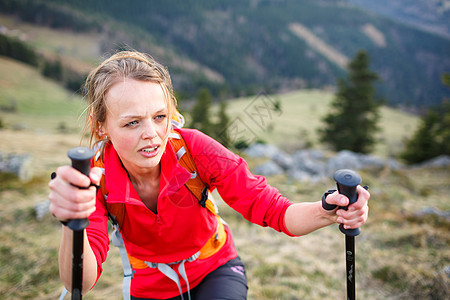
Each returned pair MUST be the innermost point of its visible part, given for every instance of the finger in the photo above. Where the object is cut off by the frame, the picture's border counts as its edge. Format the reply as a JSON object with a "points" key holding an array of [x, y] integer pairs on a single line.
{"points": [[337, 199], [62, 194], [95, 175], [63, 213], [74, 201], [353, 219], [73, 176], [363, 198]]}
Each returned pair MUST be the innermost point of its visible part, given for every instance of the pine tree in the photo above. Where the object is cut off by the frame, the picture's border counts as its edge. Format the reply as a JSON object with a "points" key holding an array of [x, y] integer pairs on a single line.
{"points": [[221, 127], [432, 137], [201, 112], [352, 121]]}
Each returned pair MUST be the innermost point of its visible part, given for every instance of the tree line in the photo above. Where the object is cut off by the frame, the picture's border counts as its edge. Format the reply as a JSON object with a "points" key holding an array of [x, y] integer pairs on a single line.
{"points": [[51, 68]]}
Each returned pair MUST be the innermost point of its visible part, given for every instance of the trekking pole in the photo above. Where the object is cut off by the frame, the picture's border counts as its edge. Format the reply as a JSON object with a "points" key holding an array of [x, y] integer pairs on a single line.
{"points": [[347, 181], [81, 160]]}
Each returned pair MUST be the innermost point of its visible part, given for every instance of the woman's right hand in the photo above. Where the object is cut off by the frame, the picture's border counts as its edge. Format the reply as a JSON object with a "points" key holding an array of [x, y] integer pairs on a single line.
{"points": [[67, 200]]}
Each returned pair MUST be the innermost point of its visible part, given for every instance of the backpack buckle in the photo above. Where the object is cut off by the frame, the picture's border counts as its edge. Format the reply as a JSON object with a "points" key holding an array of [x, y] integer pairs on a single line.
{"points": [[204, 197]]}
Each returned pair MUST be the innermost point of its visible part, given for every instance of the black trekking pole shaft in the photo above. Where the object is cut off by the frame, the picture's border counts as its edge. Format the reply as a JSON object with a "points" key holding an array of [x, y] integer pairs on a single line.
{"points": [[347, 181], [350, 266], [81, 160]]}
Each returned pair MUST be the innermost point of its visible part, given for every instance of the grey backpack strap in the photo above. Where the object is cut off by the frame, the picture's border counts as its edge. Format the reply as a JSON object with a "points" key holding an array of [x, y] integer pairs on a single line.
{"points": [[117, 241], [63, 294]]}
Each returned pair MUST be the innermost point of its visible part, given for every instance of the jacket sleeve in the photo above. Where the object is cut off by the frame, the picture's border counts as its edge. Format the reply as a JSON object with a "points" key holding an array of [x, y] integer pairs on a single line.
{"points": [[248, 194], [97, 233]]}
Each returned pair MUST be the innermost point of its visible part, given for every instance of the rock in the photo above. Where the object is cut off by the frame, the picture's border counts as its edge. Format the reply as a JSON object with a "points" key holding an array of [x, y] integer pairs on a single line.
{"points": [[42, 209], [261, 150], [312, 165], [371, 162], [447, 271], [283, 159], [394, 164], [299, 175], [433, 211], [437, 162], [268, 169], [19, 165], [343, 160], [309, 161]]}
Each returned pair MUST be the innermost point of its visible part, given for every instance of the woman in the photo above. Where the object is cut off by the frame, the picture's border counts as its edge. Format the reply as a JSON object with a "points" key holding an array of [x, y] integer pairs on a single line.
{"points": [[131, 103]]}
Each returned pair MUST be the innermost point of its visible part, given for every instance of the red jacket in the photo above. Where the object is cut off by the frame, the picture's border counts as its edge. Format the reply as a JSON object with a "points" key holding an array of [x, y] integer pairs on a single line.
{"points": [[181, 227]]}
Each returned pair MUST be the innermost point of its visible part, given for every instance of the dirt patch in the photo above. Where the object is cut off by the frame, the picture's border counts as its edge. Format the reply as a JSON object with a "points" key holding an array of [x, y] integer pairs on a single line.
{"points": [[375, 35], [315, 42]]}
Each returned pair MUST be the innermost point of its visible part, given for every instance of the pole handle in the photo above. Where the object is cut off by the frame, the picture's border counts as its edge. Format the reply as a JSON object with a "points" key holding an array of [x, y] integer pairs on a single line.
{"points": [[81, 160], [347, 180]]}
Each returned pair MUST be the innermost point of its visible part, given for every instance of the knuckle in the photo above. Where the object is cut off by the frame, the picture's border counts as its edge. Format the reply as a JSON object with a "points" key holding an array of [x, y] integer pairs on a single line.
{"points": [[76, 197]]}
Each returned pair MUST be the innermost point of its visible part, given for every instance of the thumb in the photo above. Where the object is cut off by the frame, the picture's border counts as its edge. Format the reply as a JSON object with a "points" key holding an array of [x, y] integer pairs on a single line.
{"points": [[95, 175], [337, 199]]}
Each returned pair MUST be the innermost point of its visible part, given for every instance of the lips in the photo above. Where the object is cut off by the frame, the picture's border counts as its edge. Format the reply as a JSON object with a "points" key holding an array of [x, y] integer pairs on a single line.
{"points": [[149, 151]]}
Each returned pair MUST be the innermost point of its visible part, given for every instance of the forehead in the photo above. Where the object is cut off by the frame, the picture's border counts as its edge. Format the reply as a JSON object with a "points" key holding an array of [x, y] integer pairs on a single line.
{"points": [[135, 95]]}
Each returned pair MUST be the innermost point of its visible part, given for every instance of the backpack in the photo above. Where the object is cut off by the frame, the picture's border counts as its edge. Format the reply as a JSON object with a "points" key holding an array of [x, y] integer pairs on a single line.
{"points": [[197, 187]]}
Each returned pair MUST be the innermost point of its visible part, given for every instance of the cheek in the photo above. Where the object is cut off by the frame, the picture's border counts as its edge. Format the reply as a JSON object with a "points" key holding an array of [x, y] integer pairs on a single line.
{"points": [[124, 141], [162, 130]]}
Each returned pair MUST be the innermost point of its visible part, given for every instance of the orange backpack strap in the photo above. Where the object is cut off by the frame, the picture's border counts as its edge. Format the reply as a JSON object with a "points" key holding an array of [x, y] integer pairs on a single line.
{"points": [[195, 184], [116, 211]]}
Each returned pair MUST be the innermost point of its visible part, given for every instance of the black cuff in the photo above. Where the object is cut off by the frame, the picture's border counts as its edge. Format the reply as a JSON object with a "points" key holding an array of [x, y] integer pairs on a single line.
{"points": [[325, 205]]}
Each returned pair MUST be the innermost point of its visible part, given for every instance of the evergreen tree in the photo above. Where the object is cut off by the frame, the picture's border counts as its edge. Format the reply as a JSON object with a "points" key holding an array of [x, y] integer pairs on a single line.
{"points": [[53, 69], [352, 121], [221, 127], [201, 112], [432, 138]]}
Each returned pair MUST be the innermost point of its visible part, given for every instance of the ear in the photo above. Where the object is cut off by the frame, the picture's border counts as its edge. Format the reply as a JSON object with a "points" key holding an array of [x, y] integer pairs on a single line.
{"points": [[101, 132]]}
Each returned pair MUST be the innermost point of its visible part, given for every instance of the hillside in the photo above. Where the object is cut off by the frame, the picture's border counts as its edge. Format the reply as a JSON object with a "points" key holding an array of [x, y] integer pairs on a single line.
{"points": [[295, 125], [428, 15], [241, 47]]}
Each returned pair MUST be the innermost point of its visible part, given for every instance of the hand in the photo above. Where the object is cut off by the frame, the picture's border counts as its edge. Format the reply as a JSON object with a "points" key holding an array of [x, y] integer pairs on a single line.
{"points": [[357, 213], [67, 200]]}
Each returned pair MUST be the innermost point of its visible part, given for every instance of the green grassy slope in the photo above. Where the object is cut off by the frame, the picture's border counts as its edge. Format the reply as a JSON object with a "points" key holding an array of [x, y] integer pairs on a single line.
{"points": [[301, 115], [37, 103]]}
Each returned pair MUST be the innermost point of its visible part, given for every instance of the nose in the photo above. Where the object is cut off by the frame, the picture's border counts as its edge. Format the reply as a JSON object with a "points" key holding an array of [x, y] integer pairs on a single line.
{"points": [[149, 131]]}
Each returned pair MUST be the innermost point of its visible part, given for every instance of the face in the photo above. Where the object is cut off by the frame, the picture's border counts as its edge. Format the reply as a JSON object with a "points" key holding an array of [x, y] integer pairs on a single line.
{"points": [[136, 124]]}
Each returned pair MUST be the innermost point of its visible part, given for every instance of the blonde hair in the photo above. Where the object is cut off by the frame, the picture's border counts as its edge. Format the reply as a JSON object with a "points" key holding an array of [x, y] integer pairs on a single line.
{"points": [[124, 64]]}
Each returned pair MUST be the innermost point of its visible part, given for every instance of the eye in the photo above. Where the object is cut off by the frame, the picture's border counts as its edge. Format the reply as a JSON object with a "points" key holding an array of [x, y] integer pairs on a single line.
{"points": [[132, 123], [160, 117]]}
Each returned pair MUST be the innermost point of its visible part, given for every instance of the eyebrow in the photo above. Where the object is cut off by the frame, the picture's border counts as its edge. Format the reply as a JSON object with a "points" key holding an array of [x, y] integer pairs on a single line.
{"points": [[163, 110]]}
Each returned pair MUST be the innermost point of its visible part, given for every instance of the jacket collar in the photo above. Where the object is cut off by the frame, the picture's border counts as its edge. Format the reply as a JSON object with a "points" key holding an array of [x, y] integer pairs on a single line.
{"points": [[173, 176]]}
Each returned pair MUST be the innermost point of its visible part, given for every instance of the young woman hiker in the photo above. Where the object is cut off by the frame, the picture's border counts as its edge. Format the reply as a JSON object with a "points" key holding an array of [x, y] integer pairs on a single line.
{"points": [[177, 248]]}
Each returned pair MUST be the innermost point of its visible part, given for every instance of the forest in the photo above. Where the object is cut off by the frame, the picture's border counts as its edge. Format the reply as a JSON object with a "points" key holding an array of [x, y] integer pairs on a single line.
{"points": [[249, 46]]}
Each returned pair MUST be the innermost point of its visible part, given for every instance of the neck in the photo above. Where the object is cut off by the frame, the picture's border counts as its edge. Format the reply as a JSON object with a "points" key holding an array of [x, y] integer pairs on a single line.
{"points": [[145, 177]]}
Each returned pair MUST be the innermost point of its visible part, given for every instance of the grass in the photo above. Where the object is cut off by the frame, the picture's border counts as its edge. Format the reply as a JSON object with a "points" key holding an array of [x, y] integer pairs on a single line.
{"points": [[39, 103], [296, 125]]}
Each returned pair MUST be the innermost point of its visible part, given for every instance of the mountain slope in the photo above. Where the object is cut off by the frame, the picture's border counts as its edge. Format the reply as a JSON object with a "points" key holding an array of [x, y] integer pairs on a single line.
{"points": [[250, 45], [429, 15]]}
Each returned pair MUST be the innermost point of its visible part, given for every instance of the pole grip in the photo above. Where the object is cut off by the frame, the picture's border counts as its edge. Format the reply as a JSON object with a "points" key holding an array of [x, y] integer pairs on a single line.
{"points": [[81, 160], [347, 181]]}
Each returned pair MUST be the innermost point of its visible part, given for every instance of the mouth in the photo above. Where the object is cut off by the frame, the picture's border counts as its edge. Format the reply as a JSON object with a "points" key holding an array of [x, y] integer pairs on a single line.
{"points": [[149, 149]]}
